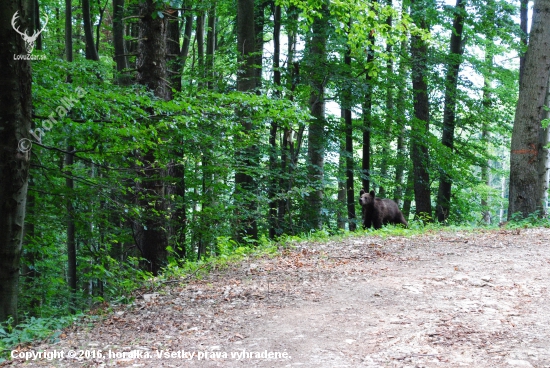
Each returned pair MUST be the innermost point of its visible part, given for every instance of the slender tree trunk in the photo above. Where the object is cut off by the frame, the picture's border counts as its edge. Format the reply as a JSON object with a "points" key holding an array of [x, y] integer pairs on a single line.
{"points": [[420, 124], [409, 194], [91, 51], [449, 113], [390, 116], [259, 23], [485, 134], [173, 50], [71, 231], [341, 214], [316, 135], [118, 42], [186, 39], [98, 27], [286, 156], [15, 124], [71, 242], [247, 156], [367, 119], [347, 102], [487, 107], [274, 226], [524, 24], [528, 134], [210, 46], [401, 121], [544, 161], [68, 31], [37, 24]]}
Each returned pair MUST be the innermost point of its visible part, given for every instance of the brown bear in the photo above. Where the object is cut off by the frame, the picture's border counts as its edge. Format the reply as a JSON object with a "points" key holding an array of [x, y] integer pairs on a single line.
{"points": [[378, 212]]}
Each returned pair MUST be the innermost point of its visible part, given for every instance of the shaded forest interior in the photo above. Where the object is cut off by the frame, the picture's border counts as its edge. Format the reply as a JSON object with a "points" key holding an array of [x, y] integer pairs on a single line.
{"points": [[150, 133]]}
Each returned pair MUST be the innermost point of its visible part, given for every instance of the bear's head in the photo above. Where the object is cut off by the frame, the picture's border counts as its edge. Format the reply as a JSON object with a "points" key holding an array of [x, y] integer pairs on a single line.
{"points": [[365, 198]]}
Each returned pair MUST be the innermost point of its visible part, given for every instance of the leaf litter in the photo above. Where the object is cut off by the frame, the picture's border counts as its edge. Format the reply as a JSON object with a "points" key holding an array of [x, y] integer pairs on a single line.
{"points": [[446, 299]]}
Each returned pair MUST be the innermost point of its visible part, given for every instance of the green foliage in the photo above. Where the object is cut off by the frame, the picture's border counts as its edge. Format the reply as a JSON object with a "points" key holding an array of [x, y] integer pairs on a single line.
{"points": [[534, 219], [30, 330]]}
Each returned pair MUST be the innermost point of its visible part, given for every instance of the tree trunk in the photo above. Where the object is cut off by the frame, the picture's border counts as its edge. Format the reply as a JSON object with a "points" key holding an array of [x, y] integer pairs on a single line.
{"points": [[389, 113], [210, 46], [524, 24], [274, 226], [259, 23], [199, 33], [71, 231], [173, 50], [15, 124], [151, 237], [409, 194], [487, 107], [285, 182], [420, 124], [485, 172], [341, 214], [37, 24], [527, 136], [186, 39], [118, 42], [247, 156], [68, 31], [449, 118], [151, 61], [316, 135], [367, 119], [544, 162], [91, 51], [401, 138], [347, 102]]}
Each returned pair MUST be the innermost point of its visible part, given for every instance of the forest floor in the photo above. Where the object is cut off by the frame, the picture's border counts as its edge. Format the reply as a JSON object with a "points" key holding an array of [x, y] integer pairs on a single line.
{"points": [[445, 299]]}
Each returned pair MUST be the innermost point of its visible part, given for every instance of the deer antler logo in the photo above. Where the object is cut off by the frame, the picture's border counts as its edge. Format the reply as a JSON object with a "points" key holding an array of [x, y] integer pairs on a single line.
{"points": [[29, 40]]}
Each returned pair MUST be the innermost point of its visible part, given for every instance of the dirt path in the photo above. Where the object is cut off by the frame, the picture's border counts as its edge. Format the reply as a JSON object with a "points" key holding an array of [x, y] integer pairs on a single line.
{"points": [[440, 300]]}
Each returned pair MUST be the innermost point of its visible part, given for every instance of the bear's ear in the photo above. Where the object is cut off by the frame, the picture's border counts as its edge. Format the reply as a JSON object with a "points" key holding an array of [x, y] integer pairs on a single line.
{"points": [[361, 192], [372, 193]]}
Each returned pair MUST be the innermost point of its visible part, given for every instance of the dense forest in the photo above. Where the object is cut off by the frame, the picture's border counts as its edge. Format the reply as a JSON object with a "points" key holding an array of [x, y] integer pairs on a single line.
{"points": [[137, 134]]}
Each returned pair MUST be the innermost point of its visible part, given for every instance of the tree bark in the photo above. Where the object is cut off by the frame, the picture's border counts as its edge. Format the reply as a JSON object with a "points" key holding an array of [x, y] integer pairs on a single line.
{"points": [[347, 102], [485, 134], [259, 23], [341, 214], [544, 162], [210, 47], [151, 237], [118, 42], [186, 39], [527, 136], [316, 135], [389, 113], [367, 119], [71, 231], [173, 50], [91, 51], [487, 107], [401, 138], [524, 24], [247, 156], [15, 124], [274, 226], [199, 33], [449, 118], [420, 124], [151, 61]]}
